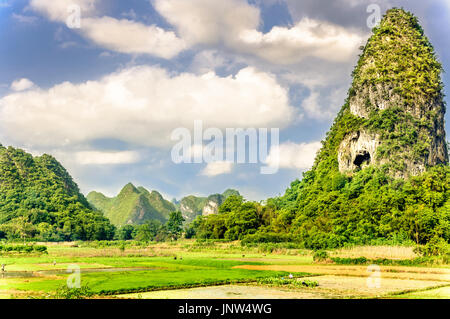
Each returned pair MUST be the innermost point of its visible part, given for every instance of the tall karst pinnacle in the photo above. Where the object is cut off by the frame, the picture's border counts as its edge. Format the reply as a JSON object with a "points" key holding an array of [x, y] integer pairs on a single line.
{"points": [[397, 99]]}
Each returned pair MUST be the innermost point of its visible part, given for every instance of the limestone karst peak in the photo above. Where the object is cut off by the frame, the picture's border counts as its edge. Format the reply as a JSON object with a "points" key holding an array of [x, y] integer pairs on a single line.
{"points": [[397, 102]]}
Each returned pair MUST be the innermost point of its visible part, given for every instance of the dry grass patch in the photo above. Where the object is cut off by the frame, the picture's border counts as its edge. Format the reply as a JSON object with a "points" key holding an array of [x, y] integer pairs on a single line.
{"points": [[375, 252], [229, 292], [395, 272], [354, 287]]}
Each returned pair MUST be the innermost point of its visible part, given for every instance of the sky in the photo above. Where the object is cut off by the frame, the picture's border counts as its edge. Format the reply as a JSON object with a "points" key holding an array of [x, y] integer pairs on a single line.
{"points": [[102, 85]]}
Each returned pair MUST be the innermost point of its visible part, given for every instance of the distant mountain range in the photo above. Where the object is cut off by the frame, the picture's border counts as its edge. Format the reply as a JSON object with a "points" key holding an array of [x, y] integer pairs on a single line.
{"points": [[136, 205]]}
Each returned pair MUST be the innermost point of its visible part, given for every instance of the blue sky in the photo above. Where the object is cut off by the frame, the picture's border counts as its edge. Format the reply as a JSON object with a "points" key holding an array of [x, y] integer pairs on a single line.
{"points": [[105, 97]]}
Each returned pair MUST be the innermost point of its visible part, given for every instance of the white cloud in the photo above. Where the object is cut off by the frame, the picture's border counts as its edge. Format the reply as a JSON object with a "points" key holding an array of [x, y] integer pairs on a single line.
{"points": [[323, 103], [143, 105], [217, 168], [125, 36], [208, 60], [293, 156], [59, 11], [21, 85], [235, 24], [106, 158], [209, 21], [308, 38]]}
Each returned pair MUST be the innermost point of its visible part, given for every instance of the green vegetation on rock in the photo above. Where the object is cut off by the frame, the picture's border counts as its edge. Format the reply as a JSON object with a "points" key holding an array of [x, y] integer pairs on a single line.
{"points": [[401, 193], [39, 199], [132, 205], [193, 206]]}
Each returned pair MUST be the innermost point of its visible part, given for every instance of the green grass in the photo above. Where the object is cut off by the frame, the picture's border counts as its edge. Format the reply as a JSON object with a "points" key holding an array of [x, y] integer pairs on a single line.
{"points": [[205, 266], [163, 273], [287, 282], [125, 282]]}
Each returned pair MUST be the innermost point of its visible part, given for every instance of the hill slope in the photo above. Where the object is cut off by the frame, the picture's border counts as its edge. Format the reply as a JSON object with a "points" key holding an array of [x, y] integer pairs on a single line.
{"points": [[396, 101], [382, 173], [38, 198], [132, 206]]}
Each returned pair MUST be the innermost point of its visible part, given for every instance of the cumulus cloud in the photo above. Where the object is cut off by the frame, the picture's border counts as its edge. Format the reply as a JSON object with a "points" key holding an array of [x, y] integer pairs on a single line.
{"points": [[217, 168], [308, 38], [143, 105], [21, 85], [125, 36], [106, 158], [59, 11], [235, 24], [209, 21], [323, 104], [131, 37], [293, 156]]}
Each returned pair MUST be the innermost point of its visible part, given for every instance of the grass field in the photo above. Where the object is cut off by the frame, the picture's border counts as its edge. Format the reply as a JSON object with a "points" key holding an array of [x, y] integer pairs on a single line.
{"points": [[187, 269]]}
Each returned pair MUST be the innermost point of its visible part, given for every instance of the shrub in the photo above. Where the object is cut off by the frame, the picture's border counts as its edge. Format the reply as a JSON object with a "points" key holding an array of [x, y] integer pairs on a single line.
{"points": [[320, 255], [277, 281], [269, 237], [437, 246], [350, 261], [65, 292], [23, 248]]}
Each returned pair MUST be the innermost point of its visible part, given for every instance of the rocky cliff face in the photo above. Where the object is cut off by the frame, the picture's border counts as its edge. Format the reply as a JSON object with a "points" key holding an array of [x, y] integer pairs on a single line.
{"points": [[357, 150], [397, 97], [193, 206]]}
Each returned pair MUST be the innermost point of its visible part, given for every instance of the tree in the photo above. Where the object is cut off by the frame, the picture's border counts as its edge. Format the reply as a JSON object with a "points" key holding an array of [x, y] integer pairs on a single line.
{"points": [[126, 232], [192, 229], [144, 233], [175, 224]]}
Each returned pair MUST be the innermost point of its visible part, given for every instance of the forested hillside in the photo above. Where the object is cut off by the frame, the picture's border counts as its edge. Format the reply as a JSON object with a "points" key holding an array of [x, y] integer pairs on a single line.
{"points": [[382, 172], [132, 206], [39, 199]]}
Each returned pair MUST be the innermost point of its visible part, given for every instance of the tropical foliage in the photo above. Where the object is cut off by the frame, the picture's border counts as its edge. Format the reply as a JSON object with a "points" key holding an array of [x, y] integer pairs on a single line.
{"points": [[39, 199]]}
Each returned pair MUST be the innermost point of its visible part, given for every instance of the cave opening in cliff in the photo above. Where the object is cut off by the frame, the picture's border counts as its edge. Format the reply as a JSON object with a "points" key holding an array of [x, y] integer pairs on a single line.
{"points": [[362, 157]]}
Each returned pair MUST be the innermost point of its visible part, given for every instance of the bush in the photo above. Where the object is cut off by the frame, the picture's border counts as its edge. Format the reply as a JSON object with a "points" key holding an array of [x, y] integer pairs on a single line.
{"points": [[23, 248], [269, 237], [350, 261], [320, 255], [65, 292], [276, 281], [435, 247], [40, 249]]}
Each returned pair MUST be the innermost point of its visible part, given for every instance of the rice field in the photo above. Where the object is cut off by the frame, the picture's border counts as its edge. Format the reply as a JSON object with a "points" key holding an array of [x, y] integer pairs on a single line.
{"points": [[187, 269]]}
